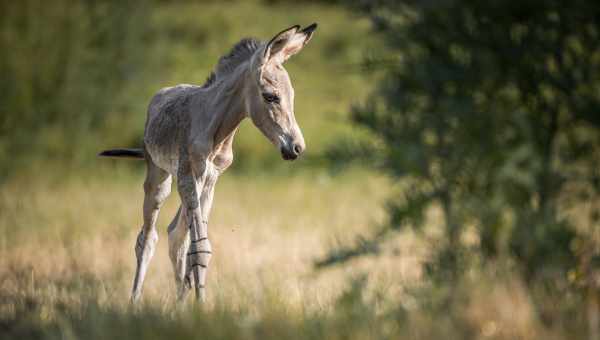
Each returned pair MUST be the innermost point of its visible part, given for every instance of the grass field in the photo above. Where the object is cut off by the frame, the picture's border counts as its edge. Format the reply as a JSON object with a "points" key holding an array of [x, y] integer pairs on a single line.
{"points": [[67, 262], [72, 243], [267, 233], [68, 220]]}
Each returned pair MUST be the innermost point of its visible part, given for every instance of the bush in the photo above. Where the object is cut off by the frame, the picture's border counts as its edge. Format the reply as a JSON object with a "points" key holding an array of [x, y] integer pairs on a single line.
{"points": [[488, 111]]}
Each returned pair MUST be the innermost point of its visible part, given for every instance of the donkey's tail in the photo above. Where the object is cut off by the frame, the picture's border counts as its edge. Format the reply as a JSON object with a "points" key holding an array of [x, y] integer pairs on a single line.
{"points": [[127, 153]]}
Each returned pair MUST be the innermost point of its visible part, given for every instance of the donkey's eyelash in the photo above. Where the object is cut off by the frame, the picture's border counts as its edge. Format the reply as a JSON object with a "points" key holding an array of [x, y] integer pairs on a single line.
{"points": [[271, 98]]}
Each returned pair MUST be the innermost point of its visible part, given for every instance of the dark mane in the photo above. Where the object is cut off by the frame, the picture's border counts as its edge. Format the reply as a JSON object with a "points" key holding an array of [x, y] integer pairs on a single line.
{"points": [[241, 51]]}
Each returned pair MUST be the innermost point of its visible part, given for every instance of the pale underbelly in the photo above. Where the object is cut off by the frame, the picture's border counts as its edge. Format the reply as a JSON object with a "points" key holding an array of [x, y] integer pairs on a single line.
{"points": [[170, 162]]}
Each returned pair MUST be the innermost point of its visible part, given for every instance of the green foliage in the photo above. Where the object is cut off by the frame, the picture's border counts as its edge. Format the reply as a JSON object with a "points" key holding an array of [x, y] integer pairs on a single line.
{"points": [[489, 111], [63, 70]]}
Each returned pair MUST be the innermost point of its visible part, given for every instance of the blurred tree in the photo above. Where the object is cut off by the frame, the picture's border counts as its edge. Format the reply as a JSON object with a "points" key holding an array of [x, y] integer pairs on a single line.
{"points": [[63, 68], [489, 110]]}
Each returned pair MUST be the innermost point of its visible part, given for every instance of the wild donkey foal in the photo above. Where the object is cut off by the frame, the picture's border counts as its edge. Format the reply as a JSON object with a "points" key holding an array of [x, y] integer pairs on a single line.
{"points": [[189, 134]]}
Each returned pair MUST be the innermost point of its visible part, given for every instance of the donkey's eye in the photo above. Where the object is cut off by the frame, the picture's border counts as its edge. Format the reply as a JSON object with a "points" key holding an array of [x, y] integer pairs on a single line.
{"points": [[271, 98]]}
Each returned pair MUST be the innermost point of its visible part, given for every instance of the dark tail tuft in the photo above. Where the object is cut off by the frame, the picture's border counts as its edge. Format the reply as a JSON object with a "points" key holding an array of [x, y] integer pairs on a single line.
{"points": [[128, 153]]}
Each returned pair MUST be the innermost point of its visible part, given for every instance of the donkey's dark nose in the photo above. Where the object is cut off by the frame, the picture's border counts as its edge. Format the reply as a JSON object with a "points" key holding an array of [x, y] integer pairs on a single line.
{"points": [[291, 152]]}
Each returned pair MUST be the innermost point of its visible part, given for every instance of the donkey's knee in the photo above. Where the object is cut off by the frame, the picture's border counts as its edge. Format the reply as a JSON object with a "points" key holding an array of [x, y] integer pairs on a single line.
{"points": [[145, 243]]}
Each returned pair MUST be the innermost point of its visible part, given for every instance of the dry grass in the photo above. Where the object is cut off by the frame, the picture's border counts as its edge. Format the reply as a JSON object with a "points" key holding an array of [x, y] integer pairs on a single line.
{"points": [[60, 241], [66, 266]]}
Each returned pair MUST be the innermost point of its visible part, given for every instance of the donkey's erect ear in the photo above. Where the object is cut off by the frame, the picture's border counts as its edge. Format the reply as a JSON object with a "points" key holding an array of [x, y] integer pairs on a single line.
{"points": [[308, 32], [288, 42]]}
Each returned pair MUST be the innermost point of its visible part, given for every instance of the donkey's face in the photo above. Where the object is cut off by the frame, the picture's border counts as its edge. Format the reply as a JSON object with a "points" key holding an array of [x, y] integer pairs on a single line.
{"points": [[271, 101]]}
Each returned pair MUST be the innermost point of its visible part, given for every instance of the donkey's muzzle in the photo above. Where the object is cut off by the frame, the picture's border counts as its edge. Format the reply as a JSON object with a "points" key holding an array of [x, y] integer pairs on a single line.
{"points": [[291, 151]]}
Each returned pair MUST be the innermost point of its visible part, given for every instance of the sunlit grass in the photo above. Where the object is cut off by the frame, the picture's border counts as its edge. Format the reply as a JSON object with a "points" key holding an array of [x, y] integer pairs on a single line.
{"points": [[266, 233], [67, 263]]}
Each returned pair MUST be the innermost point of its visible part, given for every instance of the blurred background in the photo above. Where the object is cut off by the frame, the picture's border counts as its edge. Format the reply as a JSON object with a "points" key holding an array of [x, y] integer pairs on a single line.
{"points": [[450, 186]]}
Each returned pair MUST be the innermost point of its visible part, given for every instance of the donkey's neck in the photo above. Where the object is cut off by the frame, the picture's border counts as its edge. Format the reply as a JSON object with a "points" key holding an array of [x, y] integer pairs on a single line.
{"points": [[228, 97]]}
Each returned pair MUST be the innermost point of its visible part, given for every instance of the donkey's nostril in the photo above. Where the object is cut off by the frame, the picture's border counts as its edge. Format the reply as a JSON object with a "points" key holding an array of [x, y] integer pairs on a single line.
{"points": [[297, 149], [291, 151]]}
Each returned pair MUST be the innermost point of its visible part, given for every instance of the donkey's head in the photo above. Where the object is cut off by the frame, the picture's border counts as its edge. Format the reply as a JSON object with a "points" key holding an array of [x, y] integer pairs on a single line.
{"points": [[271, 101]]}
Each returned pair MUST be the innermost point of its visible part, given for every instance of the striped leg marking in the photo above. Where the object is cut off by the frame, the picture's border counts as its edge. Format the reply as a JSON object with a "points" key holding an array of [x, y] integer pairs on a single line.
{"points": [[198, 257]]}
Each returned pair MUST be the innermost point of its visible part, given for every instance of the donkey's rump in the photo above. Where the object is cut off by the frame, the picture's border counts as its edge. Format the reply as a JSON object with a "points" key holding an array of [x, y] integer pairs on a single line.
{"points": [[167, 124]]}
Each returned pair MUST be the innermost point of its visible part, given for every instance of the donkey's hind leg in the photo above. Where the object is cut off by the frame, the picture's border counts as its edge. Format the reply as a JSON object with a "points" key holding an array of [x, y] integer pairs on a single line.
{"points": [[179, 242], [157, 188]]}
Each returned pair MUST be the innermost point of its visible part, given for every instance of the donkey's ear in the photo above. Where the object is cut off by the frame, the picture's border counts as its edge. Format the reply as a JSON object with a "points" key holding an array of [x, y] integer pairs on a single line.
{"points": [[288, 42]]}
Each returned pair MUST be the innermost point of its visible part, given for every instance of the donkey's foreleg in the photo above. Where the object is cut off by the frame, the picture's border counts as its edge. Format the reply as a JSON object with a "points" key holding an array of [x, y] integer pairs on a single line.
{"points": [[156, 189], [199, 253]]}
